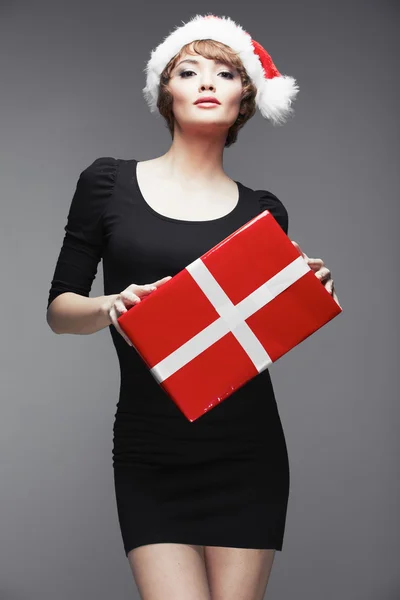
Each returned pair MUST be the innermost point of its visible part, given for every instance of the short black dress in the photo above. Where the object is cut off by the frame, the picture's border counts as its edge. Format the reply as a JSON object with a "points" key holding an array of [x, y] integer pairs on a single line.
{"points": [[222, 480]]}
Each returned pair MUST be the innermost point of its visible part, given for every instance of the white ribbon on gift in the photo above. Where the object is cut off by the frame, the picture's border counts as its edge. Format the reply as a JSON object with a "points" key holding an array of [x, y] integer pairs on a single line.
{"points": [[232, 317]]}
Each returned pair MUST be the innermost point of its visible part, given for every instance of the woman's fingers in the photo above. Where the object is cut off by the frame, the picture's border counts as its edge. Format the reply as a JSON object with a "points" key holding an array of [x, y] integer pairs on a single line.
{"points": [[163, 280], [114, 319], [128, 298], [315, 263], [323, 274]]}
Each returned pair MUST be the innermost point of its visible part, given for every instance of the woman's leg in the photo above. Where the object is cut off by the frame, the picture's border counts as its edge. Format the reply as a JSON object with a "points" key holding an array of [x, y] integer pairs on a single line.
{"points": [[239, 573], [175, 571]]}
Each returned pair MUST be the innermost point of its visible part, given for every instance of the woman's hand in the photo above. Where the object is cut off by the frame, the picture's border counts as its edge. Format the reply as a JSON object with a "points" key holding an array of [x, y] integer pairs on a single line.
{"points": [[121, 303], [321, 272]]}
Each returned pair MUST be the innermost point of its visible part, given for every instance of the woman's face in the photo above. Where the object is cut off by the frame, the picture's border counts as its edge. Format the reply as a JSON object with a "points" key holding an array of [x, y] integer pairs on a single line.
{"points": [[194, 77]]}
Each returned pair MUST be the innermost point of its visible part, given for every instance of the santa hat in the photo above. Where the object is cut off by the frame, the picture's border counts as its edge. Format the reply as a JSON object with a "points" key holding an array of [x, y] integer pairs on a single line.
{"points": [[275, 92]]}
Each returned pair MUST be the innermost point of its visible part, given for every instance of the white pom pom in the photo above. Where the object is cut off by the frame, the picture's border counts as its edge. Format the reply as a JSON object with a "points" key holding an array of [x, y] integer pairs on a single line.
{"points": [[275, 96]]}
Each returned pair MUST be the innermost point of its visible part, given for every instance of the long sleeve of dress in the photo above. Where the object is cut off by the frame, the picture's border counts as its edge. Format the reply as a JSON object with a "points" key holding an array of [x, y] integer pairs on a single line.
{"points": [[82, 246], [268, 201]]}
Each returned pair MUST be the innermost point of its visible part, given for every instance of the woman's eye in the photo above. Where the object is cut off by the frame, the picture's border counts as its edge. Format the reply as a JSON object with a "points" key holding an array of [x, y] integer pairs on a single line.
{"points": [[183, 73], [228, 73]]}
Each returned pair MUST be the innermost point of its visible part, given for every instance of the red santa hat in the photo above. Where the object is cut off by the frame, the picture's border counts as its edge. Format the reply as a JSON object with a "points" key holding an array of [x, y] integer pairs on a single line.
{"points": [[275, 92]]}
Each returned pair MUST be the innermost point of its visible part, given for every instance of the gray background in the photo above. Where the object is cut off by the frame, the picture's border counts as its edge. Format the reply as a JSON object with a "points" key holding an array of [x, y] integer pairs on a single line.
{"points": [[71, 81]]}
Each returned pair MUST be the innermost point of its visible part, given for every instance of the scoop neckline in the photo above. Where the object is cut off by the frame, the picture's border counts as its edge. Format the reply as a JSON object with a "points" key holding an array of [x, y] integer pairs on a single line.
{"points": [[173, 220]]}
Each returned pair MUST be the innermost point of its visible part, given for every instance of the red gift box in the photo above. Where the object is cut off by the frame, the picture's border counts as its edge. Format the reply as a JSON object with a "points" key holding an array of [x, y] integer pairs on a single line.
{"points": [[228, 315]]}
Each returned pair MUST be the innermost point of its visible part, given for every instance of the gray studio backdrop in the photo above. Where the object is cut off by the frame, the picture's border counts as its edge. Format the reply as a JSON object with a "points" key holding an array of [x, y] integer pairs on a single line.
{"points": [[71, 81]]}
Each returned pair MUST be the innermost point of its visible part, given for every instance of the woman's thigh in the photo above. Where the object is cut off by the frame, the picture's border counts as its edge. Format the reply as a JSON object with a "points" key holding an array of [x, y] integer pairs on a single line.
{"points": [[239, 573], [169, 571]]}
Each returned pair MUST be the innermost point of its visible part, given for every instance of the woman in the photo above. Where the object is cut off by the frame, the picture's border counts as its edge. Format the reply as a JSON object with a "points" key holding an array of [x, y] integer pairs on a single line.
{"points": [[202, 505]]}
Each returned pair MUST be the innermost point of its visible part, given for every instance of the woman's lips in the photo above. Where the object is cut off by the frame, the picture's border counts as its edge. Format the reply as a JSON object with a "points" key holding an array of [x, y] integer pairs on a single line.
{"points": [[207, 104]]}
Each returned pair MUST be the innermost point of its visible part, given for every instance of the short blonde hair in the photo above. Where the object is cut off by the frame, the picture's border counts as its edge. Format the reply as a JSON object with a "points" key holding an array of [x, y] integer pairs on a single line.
{"points": [[218, 51]]}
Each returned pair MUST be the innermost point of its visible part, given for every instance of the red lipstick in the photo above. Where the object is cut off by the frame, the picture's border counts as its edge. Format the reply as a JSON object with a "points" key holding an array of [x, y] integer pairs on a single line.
{"points": [[208, 99]]}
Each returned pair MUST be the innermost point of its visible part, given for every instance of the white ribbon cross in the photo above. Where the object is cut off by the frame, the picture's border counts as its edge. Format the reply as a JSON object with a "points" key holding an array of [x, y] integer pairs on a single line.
{"points": [[232, 317]]}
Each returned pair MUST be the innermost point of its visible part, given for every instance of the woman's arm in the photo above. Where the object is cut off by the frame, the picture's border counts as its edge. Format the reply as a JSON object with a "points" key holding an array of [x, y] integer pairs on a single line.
{"points": [[73, 313], [69, 308]]}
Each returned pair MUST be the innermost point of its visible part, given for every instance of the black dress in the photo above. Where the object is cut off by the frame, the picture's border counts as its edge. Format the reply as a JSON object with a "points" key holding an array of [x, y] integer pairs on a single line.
{"points": [[222, 480]]}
